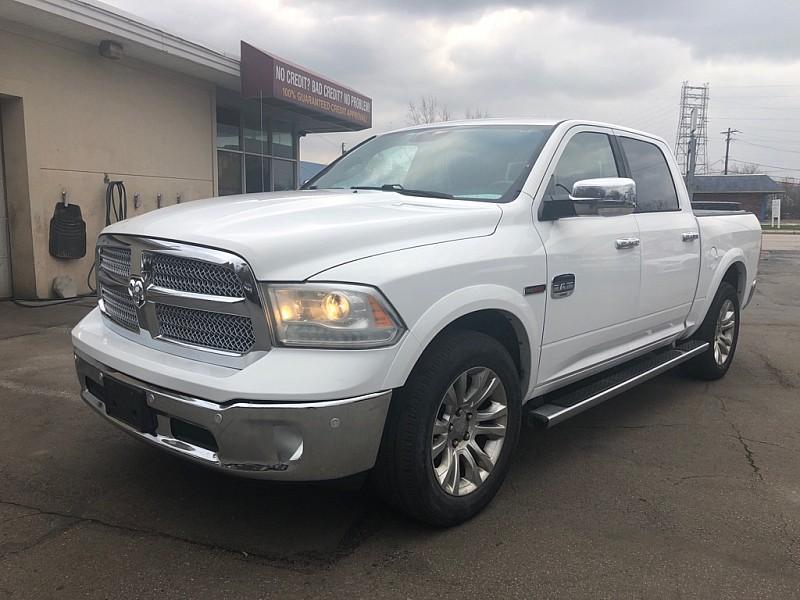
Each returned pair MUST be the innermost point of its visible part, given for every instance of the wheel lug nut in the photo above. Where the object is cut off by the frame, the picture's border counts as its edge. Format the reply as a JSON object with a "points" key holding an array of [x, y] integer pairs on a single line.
{"points": [[458, 412], [469, 416], [450, 427], [455, 443], [466, 436]]}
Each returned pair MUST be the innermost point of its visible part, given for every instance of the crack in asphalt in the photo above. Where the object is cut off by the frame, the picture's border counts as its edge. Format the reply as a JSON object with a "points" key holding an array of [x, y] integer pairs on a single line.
{"points": [[782, 379], [748, 453], [791, 540], [363, 526], [12, 549], [766, 443]]}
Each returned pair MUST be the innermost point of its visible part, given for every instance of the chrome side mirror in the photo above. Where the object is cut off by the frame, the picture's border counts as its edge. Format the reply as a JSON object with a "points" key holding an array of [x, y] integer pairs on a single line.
{"points": [[607, 196]]}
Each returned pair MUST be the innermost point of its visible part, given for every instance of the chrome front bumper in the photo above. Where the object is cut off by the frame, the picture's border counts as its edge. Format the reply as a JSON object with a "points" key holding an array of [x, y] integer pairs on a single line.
{"points": [[282, 441]]}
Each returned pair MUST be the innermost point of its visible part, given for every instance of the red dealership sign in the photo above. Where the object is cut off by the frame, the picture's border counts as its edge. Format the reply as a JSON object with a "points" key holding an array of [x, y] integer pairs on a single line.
{"points": [[274, 79]]}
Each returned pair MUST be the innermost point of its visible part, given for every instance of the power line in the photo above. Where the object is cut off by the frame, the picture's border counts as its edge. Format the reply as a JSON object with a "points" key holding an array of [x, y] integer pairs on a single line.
{"points": [[770, 147], [760, 118], [759, 85], [745, 162]]}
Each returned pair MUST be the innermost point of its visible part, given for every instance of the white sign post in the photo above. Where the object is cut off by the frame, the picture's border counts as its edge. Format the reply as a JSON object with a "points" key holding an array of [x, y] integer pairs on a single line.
{"points": [[776, 212]]}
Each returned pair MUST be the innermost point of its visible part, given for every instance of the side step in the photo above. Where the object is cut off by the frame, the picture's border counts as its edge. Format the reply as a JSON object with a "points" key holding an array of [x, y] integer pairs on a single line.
{"points": [[583, 395]]}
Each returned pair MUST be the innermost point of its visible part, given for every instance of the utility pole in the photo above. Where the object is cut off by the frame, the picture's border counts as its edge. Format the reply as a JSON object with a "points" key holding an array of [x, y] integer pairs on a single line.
{"points": [[691, 152], [728, 135], [344, 149]]}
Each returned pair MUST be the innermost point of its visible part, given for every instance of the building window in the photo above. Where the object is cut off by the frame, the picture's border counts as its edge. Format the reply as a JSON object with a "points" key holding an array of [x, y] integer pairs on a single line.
{"points": [[282, 140], [228, 129], [256, 173], [247, 142], [229, 172], [285, 178]]}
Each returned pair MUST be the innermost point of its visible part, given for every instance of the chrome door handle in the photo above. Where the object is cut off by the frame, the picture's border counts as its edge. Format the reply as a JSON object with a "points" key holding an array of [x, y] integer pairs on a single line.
{"points": [[627, 243], [690, 236]]}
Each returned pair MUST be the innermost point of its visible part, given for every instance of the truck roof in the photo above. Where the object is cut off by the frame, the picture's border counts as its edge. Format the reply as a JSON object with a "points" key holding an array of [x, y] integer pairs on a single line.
{"points": [[566, 123]]}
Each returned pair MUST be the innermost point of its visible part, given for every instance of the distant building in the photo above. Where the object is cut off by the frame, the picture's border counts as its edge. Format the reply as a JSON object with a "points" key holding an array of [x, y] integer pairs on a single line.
{"points": [[751, 192]]}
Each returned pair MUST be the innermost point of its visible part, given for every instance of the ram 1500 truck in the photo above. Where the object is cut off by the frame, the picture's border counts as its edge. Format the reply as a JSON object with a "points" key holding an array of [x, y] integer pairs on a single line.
{"points": [[404, 311]]}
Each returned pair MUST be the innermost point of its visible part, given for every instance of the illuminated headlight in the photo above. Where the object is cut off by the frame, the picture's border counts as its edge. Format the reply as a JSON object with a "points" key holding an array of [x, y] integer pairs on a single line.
{"points": [[332, 316]]}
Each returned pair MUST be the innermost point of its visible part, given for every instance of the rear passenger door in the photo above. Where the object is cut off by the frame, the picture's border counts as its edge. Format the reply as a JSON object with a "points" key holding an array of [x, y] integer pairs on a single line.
{"points": [[670, 244]]}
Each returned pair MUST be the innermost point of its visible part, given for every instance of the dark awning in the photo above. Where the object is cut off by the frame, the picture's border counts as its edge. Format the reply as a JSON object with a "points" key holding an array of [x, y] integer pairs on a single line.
{"points": [[327, 105]]}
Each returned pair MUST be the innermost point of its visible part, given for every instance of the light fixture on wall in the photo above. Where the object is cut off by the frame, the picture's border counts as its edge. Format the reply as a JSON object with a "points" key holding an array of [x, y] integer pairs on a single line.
{"points": [[110, 49]]}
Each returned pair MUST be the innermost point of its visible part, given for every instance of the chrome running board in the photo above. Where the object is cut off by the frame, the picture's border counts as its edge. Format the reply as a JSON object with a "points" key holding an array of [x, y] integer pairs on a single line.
{"points": [[573, 399]]}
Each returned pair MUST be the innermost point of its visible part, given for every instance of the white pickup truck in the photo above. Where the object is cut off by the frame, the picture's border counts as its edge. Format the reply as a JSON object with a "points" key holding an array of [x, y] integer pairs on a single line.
{"points": [[411, 305]]}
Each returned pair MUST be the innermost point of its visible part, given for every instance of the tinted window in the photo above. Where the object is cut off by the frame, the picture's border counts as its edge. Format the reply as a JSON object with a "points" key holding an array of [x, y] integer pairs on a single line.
{"points": [[228, 129], [655, 190], [229, 172], [587, 156], [284, 175]]}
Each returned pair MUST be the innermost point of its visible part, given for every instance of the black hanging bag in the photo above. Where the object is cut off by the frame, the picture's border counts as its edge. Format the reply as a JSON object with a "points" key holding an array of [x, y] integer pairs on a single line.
{"points": [[67, 232]]}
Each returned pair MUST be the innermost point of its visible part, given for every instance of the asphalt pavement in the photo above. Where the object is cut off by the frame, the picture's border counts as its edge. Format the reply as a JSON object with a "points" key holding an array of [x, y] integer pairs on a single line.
{"points": [[676, 489]]}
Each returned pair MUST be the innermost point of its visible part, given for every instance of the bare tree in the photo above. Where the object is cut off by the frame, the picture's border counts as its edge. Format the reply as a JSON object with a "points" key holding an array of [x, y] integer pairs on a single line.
{"points": [[477, 113], [427, 110], [744, 169]]}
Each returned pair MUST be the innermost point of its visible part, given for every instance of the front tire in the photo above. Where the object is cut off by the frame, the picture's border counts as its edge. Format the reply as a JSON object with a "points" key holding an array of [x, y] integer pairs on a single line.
{"points": [[451, 430], [720, 329]]}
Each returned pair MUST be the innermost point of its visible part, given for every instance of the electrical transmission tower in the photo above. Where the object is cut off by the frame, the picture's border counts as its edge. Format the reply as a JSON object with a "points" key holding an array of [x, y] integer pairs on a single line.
{"points": [[694, 98]]}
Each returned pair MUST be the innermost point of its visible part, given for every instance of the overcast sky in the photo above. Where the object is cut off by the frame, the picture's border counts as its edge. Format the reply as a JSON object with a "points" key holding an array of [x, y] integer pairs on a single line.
{"points": [[612, 60]]}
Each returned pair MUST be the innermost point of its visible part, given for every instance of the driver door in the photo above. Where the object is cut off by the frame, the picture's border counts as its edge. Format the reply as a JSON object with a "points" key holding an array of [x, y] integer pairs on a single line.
{"points": [[598, 257]]}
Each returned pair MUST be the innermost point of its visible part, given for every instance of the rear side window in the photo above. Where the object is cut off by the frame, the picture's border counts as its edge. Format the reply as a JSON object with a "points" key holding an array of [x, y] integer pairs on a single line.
{"points": [[655, 189]]}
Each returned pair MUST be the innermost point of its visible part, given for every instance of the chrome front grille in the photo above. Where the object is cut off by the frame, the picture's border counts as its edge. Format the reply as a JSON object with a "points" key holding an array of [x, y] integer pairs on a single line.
{"points": [[119, 308], [191, 275], [230, 333], [183, 299], [116, 260]]}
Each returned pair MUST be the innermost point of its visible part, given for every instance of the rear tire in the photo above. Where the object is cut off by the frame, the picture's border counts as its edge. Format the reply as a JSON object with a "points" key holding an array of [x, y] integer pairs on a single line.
{"points": [[451, 431], [720, 329]]}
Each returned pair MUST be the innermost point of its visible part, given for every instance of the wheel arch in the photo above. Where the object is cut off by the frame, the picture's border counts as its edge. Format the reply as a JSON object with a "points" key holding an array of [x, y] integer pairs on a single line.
{"points": [[736, 275], [731, 268], [496, 313]]}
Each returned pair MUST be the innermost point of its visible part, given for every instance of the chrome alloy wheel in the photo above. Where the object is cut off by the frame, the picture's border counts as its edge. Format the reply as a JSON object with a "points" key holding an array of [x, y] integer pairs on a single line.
{"points": [[723, 336], [469, 430]]}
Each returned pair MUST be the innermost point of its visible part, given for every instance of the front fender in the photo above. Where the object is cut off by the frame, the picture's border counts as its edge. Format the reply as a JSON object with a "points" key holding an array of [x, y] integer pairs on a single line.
{"points": [[460, 303]]}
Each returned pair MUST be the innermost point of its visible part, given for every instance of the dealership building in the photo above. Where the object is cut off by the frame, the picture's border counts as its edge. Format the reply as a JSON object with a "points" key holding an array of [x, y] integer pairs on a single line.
{"points": [[90, 95]]}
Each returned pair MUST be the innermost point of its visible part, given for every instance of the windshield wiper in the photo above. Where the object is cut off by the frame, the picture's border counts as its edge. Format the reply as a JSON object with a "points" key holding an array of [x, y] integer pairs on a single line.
{"points": [[396, 187]]}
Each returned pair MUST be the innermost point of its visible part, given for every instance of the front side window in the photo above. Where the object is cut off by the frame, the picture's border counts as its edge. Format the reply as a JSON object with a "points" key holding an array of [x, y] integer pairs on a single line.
{"points": [[587, 155], [475, 162], [655, 189]]}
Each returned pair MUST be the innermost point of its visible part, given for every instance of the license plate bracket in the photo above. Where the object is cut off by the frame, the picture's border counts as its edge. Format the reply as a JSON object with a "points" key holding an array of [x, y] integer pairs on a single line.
{"points": [[129, 405]]}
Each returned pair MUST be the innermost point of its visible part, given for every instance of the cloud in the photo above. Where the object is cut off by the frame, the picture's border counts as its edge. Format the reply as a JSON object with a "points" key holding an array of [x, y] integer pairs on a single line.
{"points": [[615, 60]]}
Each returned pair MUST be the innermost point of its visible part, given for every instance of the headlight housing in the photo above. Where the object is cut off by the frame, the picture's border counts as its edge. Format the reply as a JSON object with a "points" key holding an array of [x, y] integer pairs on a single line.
{"points": [[332, 315]]}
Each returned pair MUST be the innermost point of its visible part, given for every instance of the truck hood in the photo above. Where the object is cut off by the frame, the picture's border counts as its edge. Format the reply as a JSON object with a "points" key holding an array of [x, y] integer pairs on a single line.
{"points": [[290, 236]]}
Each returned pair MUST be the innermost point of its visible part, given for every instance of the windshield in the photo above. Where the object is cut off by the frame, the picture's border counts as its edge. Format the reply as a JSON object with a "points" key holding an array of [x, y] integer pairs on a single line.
{"points": [[477, 162]]}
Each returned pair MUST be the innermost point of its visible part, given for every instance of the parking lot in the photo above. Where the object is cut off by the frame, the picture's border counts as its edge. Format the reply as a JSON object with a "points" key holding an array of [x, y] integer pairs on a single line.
{"points": [[676, 489]]}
